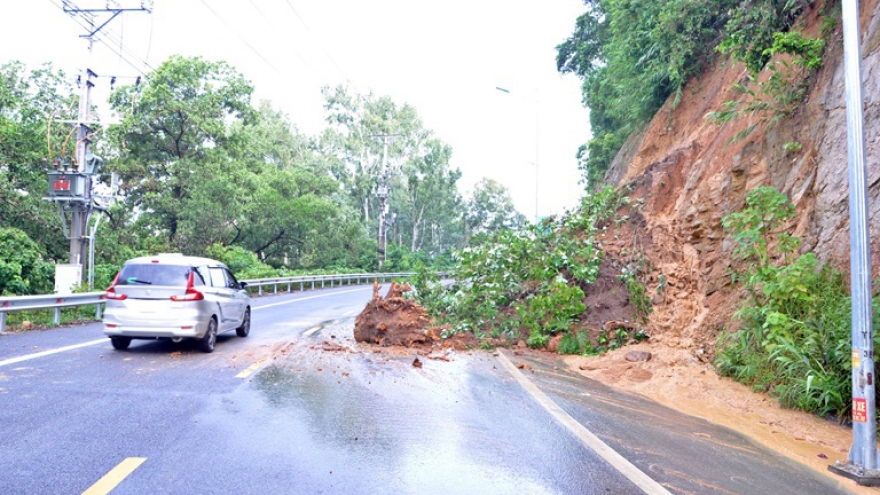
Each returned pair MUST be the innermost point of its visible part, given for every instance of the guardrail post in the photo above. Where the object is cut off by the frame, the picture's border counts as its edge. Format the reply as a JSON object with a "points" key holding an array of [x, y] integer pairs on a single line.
{"points": [[261, 289], [288, 286], [301, 287], [98, 311], [57, 315], [3, 321], [276, 287], [313, 284], [322, 282]]}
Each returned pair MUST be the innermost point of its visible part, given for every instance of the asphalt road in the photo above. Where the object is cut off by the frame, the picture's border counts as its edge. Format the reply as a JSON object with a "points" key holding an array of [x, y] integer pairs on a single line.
{"points": [[277, 413]]}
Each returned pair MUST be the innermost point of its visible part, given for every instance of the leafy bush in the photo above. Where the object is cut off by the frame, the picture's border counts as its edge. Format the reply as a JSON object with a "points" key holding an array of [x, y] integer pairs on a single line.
{"points": [[754, 26], [794, 335], [22, 268], [780, 94]]}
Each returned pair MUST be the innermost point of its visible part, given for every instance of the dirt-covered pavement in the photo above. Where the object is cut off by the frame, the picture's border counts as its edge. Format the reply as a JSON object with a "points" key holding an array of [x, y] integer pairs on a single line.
{"points": [[675, 378]]}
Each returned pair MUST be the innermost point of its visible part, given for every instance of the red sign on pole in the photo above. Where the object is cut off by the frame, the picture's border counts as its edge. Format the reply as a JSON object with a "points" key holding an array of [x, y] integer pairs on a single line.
{"points": [[860, 410]]}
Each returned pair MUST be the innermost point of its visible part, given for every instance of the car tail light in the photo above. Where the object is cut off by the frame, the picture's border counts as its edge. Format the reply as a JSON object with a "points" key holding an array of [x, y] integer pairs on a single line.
{"points": [[111, 291], [191, 294]]}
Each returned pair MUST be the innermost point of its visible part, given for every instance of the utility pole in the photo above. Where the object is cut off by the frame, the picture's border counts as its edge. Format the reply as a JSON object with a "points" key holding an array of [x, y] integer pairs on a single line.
{"points": [[71, 187], [383, 193], [863, 462]]}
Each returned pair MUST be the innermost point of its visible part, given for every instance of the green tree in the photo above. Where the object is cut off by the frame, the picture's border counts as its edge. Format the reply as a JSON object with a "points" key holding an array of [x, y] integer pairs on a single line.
{"points": [[424, 203], [632, 55], [30, 102], [22, 267], [174, 131], [490, 208]]}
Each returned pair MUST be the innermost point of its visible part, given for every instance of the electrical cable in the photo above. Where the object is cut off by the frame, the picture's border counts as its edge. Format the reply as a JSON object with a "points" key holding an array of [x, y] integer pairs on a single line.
{"points": [[150, 40], [240, 37], [108, 39], [274, 29], [326, 54]]}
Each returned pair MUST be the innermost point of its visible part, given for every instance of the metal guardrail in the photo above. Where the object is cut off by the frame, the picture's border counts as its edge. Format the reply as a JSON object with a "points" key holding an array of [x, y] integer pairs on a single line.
{"points": [[9, 304]]}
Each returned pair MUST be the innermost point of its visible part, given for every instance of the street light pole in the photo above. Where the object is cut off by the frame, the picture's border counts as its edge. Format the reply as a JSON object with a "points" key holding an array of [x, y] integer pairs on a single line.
{"points": [[537, 141], [862, 462]]}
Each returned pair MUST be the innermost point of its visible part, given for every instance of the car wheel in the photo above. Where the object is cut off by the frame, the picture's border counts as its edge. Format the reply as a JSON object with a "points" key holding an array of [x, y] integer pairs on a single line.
{"points": [[120, 343], [206, 344], [245, 327]]}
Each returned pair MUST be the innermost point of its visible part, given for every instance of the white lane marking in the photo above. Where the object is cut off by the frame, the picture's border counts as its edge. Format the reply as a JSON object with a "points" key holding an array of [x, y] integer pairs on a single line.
{"points": [[110, 480], [611, 456], [307, 298], [28, 357]]}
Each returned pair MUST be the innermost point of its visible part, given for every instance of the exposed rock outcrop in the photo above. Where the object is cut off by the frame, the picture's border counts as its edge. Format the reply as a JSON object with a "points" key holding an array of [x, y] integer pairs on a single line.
{"points": [[689, 175]]}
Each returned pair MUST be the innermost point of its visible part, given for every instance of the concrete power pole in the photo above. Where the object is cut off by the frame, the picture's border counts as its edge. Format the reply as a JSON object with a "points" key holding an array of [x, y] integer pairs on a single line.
{"points": [[71, 187], [383, 193]]}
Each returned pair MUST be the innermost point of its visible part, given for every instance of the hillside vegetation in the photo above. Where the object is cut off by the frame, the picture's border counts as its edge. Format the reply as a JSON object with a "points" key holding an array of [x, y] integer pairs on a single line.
{"points": [[703, 120]]}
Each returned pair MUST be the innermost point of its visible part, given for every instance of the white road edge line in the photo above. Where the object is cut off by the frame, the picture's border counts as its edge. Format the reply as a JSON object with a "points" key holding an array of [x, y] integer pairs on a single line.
{"points": [[611, 456], [28, 357], [255, 308]]}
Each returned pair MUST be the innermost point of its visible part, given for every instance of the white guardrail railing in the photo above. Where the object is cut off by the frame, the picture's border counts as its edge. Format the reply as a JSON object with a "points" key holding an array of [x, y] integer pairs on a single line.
{"points": [[9, 304]]}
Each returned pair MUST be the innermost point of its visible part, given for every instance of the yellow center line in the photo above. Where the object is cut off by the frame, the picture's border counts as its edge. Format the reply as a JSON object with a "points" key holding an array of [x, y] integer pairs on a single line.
{"points": [[250, 369], [312, 331], [115, 476]]}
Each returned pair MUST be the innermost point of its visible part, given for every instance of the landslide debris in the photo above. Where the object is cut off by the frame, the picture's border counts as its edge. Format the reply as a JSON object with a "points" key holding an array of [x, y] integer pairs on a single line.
{"points": [[393, 320], [398, 321]]}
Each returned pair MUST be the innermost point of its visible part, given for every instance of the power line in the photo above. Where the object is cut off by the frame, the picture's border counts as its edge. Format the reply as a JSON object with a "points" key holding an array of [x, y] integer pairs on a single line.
{"points": [[108, 39], [240, 37], [312, 34], [275, 28], [150, 41]]}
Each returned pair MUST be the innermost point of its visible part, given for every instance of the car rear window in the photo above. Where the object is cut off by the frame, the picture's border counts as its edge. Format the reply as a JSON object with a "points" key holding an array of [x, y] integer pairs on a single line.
{"points": [[153, 274]]}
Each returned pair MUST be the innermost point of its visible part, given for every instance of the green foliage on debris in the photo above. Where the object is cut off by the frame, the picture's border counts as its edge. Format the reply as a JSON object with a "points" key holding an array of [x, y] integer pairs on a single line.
{"points": [[793, 339], [528, 282]]}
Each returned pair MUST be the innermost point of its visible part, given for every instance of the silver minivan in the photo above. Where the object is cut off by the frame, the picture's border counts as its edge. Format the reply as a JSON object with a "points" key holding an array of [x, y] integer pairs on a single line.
{"points": [[175, 297]]}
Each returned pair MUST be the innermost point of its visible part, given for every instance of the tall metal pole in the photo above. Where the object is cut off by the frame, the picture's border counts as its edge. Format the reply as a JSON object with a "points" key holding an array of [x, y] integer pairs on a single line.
{"points": [[862, 460]]}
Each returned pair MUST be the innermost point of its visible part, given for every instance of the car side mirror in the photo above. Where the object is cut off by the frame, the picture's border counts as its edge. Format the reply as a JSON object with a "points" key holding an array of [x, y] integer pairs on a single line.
{"points": [[242, 285]]}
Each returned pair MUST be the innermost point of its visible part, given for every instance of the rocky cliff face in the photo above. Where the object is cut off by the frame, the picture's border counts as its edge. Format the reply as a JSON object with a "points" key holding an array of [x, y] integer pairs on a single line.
{"points": [[689, 176]]}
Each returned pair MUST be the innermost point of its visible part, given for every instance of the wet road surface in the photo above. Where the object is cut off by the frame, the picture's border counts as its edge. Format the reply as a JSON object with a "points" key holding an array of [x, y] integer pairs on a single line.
{"points": [[275, 413]]}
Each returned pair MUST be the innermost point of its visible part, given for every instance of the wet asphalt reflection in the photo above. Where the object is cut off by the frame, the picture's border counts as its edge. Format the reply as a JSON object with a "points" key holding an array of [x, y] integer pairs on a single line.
{"points": [[361, 423]]}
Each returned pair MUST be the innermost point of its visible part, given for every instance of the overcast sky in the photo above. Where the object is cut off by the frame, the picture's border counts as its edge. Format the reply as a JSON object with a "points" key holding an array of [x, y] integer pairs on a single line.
{"points": [[444, 58]]}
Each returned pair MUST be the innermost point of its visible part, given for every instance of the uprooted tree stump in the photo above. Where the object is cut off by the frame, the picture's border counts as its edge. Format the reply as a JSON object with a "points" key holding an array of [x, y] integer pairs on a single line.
{"points": [[393, 320]]}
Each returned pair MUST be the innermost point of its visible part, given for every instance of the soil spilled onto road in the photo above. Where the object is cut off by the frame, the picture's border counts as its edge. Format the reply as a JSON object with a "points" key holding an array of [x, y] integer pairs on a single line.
{"points": [[675, 378]]}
